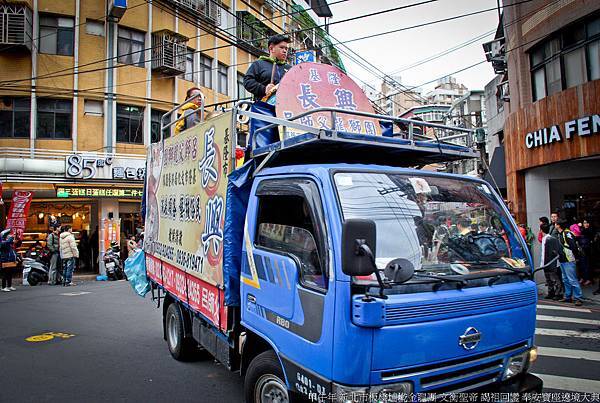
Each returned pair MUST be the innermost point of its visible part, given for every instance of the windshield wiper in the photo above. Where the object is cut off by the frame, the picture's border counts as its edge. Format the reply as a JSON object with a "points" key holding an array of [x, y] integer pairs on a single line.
{"points": [[522, 273], [441, 280]]}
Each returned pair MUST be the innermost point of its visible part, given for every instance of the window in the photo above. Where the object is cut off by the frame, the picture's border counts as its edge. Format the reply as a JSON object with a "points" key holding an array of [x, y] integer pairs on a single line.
{"points": [[189, 65], [130, 124], [14, 117], [571, 57], [130, 47], [222, 78], [57, 35], [54, 118], [155, 116], [94, 27], [242, 92], [205, 71], [289, 223]]}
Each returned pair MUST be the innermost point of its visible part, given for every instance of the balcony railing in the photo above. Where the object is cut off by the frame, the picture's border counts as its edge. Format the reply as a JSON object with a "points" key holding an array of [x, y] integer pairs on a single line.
{"points": [[208, 10], [15, 26], [168, 52]]}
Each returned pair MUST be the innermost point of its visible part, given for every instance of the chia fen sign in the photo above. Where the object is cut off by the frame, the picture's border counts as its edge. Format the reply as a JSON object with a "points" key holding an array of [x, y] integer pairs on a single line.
{"points": [[585, 126]]}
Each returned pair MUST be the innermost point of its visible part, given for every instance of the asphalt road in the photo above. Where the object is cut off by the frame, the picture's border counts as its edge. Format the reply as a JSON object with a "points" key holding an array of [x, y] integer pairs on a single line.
{"points": [[116, 351], [107, 345]]}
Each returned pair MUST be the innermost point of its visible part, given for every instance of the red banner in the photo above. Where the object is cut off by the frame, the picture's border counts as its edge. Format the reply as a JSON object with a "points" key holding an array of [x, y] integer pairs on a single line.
{"points": [[17, 215]]}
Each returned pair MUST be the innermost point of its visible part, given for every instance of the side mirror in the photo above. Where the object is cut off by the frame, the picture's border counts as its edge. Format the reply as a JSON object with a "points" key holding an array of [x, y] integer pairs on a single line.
{"points": [[399, 270], [359, 238]]}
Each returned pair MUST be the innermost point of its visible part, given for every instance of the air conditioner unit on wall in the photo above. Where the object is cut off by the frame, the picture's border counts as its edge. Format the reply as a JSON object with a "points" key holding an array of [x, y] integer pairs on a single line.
{"points": [[15, 26]]}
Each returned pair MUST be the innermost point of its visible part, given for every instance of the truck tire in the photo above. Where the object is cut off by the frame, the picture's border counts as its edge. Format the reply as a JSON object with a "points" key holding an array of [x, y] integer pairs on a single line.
{"points": [[181, 348], [264, 380]]}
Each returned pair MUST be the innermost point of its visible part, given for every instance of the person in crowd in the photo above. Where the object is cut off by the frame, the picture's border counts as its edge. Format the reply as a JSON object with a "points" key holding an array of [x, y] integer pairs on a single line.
{"points": [[554, 217], [264, 75], [69, 253], [464, 226], [140, 240], [7, 257], [585, 242], [84, 246], [94, 248], [568, 268], [192, 110], [131, 246], [542, 220], [551, 249], [53, 245]]}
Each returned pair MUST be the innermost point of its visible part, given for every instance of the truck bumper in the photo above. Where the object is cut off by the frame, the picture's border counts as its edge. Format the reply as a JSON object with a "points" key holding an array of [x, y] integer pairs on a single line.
{"points": [[525, 383]]}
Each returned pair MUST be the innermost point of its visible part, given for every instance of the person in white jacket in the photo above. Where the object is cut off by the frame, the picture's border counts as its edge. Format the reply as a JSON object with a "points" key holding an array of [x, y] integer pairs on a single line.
{"points": [[69, 253]]}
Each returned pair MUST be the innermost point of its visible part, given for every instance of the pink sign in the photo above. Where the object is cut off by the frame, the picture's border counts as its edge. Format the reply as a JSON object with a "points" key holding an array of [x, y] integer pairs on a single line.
{"points": [[312, 85], [17, 215]]}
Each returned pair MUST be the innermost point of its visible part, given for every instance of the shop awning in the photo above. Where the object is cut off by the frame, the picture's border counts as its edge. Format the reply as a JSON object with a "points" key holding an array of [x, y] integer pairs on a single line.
{"points": [[497, 169]]}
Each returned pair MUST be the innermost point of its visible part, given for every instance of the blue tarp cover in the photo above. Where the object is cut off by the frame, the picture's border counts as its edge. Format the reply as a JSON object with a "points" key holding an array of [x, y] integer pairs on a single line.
{"points": [[238, 193]]}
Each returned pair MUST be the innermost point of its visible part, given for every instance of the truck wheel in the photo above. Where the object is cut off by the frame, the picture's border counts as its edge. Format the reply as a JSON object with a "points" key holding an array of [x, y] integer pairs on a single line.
{"points": [[264, 380], [181, 348]]}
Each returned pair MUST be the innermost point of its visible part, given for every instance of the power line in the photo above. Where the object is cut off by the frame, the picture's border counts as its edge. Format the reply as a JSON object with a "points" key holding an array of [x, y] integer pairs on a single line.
{"points": [[223, 46]]}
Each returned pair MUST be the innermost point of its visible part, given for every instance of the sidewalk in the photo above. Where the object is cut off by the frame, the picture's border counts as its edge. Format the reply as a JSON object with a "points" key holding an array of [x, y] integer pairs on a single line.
{"points": [[588, 293]]}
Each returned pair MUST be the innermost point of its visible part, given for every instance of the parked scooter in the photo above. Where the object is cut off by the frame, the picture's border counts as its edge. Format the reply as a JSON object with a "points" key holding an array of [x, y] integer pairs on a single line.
{"points": [[35, 265], [113, 263]]}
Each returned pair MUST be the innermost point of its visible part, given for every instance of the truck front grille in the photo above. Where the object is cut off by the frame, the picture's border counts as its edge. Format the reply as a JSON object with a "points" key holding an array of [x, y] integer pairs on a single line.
{"points": [[458, 375]]}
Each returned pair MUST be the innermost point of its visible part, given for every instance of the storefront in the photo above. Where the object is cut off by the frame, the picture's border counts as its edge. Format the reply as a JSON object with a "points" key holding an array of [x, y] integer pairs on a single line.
{"points": [[553, 157], [98, 195]]}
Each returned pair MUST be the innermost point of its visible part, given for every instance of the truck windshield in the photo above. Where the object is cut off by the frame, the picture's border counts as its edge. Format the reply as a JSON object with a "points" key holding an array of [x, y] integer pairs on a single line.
{"points": [[442, 225]]}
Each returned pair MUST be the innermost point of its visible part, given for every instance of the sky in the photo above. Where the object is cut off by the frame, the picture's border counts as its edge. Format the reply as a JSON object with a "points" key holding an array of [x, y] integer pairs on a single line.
{"points": [[399, 50]]}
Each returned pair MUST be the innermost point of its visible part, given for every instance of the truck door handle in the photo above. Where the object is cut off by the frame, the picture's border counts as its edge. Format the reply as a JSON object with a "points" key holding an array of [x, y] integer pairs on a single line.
{"points": [[251, 298]]}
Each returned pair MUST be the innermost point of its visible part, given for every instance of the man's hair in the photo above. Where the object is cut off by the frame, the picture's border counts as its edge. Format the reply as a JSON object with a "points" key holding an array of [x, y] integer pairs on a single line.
{"points": [[188, 94], [544, 220], [557, 212], [464, 222], [562, 222], [545, 228], [277, 39]]}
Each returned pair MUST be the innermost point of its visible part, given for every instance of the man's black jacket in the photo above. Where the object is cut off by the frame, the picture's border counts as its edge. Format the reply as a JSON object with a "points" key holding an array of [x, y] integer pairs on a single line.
{"points": [[258, 76], [553, 248]]}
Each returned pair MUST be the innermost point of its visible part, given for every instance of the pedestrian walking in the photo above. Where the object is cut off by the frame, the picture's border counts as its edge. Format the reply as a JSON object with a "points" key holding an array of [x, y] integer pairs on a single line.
{"points": [[7, 257], [554, 217], [53, 245], [542, 220], [69, 253], [551, 249], [569, 271]]}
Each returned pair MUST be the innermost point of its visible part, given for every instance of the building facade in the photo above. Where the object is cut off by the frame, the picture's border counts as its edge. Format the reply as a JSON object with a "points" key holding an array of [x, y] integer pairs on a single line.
{"points": [[447, 90], [552, 128], [84, 83]]}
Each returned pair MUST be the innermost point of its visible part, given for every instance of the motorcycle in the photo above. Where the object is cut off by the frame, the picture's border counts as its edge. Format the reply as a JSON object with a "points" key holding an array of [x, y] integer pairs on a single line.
{"points": [[36, 265], [113, 264]]}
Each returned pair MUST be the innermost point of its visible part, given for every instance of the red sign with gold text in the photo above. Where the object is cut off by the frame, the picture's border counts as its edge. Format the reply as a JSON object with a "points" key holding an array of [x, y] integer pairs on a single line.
{"points": [[309, 86], [17, 215]]}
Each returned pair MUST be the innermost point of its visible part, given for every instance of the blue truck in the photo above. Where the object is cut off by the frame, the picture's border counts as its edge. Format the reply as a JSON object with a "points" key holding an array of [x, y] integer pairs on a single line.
{"points": [[331, 266]]}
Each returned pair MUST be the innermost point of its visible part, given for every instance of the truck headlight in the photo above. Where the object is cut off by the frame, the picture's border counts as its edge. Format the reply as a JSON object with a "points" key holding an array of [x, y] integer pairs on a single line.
{"points": [[349, 394], [394, 392], [516, 364]]}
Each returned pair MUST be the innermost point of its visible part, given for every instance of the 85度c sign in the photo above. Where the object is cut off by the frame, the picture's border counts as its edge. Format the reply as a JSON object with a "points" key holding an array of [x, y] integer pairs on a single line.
{"points": [[90, 167]]}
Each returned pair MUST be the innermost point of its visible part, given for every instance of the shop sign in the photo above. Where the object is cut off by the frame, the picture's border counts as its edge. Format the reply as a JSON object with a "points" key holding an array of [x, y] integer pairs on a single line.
{"points": [[17, 215], [305, 56], [94, 192], [112, 232], [582, 127], [82, 167]]}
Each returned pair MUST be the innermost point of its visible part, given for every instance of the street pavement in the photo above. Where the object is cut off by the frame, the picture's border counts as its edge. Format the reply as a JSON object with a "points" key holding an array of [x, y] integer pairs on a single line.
{"points": [[568, 340], [106, 346], [99, 342]]}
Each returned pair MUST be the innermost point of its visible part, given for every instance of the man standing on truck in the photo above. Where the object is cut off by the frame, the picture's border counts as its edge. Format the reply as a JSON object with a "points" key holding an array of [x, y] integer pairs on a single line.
{"points": [[264, 75]]}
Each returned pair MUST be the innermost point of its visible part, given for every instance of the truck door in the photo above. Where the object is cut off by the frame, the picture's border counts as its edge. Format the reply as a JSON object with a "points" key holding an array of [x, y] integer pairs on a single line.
{"points": [[285, 273]]}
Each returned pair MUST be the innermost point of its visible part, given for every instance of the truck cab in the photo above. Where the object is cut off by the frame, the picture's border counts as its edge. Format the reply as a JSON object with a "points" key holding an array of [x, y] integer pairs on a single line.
{"points": [[453, 309]]}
